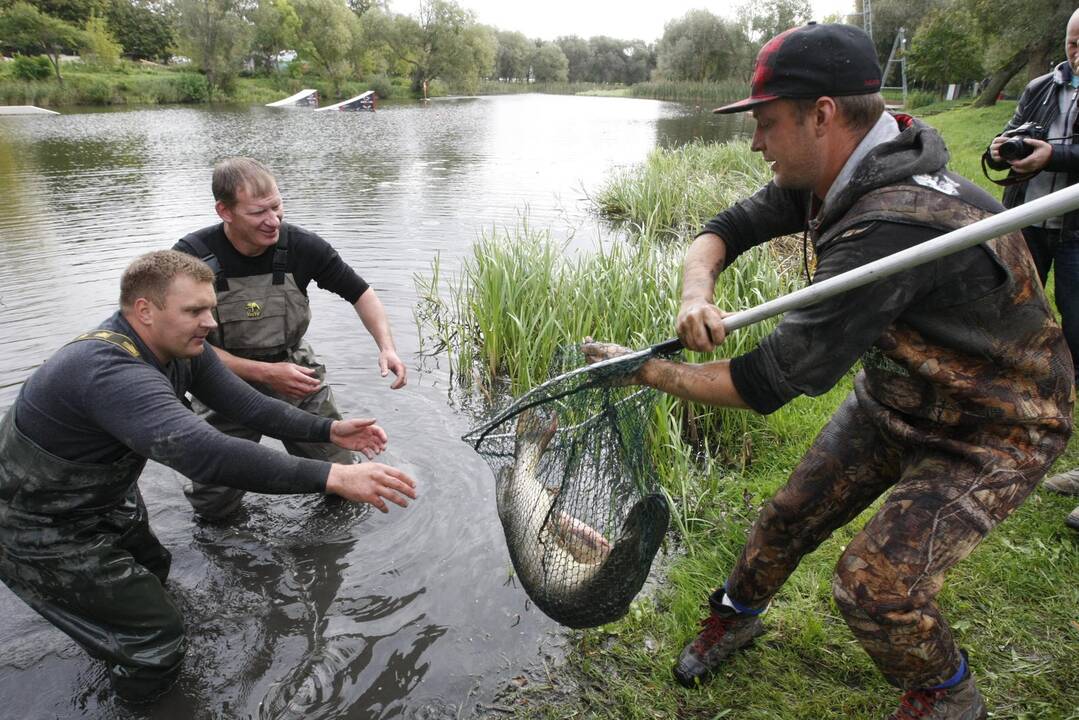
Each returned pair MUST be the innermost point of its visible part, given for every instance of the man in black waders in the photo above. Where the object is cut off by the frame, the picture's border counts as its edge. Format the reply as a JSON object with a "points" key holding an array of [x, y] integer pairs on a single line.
{"points": [[75, 542], [966, 389], [262, 268]]}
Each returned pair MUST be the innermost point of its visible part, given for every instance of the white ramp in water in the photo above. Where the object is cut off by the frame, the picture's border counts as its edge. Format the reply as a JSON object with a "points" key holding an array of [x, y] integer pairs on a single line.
{"points": [[304, 98], [363, 101], [25, 110]]}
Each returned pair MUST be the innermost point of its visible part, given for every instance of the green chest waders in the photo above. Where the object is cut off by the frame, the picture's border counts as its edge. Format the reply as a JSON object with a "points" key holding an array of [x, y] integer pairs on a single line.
{"points": [[76, 546], [263, 317]]}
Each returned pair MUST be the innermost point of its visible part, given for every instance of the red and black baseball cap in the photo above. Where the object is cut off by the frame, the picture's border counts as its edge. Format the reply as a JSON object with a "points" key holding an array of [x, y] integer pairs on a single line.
{"points": [[812, 61]]}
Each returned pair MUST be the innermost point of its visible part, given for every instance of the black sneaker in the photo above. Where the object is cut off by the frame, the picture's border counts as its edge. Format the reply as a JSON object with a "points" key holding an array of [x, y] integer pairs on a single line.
{"points": [[723, 632]]}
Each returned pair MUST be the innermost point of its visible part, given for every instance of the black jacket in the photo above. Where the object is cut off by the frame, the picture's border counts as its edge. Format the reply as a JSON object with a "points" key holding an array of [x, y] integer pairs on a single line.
{"points": [[944, 342], [1040, 103]]}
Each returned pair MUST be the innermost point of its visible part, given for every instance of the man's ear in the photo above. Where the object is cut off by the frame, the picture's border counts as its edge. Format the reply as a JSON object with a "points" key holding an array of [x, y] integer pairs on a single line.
{"points": [[142, 310], [825, 115], [223, 211]]}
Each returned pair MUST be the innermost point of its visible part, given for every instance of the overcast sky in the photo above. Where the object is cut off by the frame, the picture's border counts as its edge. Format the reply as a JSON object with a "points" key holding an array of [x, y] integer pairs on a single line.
{"points": [[622, 19]]}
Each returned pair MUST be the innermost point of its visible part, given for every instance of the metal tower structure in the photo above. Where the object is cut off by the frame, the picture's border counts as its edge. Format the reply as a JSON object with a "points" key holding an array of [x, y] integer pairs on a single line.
{"points": [[899, 47]]}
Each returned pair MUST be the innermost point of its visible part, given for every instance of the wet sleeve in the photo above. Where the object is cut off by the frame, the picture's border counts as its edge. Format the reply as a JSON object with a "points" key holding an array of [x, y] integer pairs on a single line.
{"points": [[222, 390], [320, 262], [812, 348], [770, 213], [135, 403]]}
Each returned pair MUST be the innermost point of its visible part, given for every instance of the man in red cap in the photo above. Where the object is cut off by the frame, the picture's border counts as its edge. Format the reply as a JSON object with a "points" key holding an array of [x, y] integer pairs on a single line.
{"points": [[966, 389]]}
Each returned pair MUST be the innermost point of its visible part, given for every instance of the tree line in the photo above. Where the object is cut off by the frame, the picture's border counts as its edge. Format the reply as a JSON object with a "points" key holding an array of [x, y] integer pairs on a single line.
{"points": [[950, 41]]}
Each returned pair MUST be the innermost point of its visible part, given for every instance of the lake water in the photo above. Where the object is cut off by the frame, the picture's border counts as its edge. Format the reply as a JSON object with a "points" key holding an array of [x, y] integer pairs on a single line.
{"points": [[307, 608]]}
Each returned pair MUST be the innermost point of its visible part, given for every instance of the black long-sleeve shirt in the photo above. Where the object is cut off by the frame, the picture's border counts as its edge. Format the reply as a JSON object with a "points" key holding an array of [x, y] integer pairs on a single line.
{"points": [[309, 258], [93, 402]]}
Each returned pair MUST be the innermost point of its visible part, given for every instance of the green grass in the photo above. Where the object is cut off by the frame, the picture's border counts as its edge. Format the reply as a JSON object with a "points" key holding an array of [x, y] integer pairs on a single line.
{"points": [[967, 132], [129, 85], [133, 84], [1014, 604]]}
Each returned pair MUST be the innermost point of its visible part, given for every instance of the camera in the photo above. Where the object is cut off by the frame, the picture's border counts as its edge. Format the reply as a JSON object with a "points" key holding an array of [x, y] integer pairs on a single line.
{"points": [[1014, 148]]}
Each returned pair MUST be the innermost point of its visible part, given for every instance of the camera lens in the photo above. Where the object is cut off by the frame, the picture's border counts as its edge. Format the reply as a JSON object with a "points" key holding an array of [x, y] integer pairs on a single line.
{"points": [[1014, 149]]}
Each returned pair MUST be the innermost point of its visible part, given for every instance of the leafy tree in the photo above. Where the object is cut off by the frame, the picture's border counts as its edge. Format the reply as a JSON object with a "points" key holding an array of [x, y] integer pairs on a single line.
{"points": [[144, 32], [215, 36], [549, 63], [329, 36], [944, 50], [444, 42], [26, 29], [74, 12], [607, 62], [277, 28], [701, 47], [767, 18], [513, 56], [1018, 35], [578, 57], [98, 43], [890, 15], [640, 61]]}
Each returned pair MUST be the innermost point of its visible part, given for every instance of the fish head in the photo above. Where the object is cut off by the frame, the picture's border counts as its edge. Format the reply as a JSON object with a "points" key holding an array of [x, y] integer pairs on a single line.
{"points": [[533, 429]]}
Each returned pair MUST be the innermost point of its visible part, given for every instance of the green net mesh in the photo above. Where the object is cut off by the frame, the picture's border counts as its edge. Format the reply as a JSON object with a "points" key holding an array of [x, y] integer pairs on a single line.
{"points": [[577, 491]]}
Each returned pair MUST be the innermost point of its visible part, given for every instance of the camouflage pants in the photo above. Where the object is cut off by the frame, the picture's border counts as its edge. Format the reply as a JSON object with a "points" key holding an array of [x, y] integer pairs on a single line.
{"points": [[219, 501], [948, 494]]}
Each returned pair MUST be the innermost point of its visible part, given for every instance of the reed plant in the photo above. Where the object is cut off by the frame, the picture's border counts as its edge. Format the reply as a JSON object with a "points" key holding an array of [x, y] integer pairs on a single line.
{"points": [[499, 87], [676, 189], [521, 298], [710, 93]]}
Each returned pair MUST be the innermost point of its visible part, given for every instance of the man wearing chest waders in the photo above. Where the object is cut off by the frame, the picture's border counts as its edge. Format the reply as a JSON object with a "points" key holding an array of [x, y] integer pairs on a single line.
{"points": [[262, 268], [75, 542], [966, 389]]}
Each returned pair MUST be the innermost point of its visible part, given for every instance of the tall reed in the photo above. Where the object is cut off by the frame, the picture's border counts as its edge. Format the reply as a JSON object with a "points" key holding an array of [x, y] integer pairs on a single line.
{"points": [[676, 189]]}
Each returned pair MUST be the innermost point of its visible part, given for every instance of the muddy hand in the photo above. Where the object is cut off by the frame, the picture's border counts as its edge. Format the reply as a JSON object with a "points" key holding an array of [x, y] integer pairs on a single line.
{"points": [[595, 352], [700, 326]]}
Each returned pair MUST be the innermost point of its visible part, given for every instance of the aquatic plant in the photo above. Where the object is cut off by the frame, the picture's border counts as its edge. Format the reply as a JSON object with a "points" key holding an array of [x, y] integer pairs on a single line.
{"points": [[675, 190]]}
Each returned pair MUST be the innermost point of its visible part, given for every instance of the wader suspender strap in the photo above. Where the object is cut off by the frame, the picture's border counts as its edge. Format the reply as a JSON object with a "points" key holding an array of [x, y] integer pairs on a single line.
{"points": [[202, 252], [112, 338], [280, 256]]}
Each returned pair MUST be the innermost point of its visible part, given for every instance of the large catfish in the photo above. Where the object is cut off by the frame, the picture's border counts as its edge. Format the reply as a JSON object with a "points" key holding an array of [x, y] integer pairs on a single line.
{"points": [[570, 570]]}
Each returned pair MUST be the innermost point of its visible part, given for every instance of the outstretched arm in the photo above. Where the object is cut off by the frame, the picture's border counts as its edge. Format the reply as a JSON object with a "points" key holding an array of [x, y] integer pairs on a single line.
{"points": [[708, 383], [373, 316]]}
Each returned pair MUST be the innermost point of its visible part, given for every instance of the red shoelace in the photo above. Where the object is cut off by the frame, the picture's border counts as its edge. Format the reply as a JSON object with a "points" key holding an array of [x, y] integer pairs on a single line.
{"points": [[917, 704], [714, 628]]}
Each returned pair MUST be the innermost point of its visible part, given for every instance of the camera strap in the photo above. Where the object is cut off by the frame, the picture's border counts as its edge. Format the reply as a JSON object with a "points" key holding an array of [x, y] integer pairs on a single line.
{"points": [[1010, 180]]}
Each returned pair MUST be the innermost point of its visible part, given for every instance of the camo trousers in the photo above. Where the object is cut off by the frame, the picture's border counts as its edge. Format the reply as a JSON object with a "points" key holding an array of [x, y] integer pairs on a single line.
{"points": [[948, 494]]}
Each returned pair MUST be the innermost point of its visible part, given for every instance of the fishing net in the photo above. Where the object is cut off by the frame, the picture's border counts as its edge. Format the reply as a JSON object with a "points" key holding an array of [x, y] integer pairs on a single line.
{"points": [[576, 489]]}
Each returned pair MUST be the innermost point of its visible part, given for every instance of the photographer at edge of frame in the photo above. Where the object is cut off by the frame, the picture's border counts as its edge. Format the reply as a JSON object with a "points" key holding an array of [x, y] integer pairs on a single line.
{"points": [[1036, 147]]}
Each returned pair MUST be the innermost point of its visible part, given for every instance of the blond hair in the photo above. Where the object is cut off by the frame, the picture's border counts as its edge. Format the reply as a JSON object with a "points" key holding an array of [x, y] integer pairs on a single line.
{"points": [[149, 276]]}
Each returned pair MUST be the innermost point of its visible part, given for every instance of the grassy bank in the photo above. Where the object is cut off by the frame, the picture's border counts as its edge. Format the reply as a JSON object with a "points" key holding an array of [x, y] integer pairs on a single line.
{"points": [[1012, 604], [142, 84]]}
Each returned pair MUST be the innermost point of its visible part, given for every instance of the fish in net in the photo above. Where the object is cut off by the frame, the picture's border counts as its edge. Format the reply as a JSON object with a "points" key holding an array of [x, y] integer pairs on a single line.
{"points": [[577, 491]]}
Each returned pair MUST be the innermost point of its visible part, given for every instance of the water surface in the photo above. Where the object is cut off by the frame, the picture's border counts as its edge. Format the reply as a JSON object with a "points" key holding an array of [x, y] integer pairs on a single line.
{"points": [[305, 607]]}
